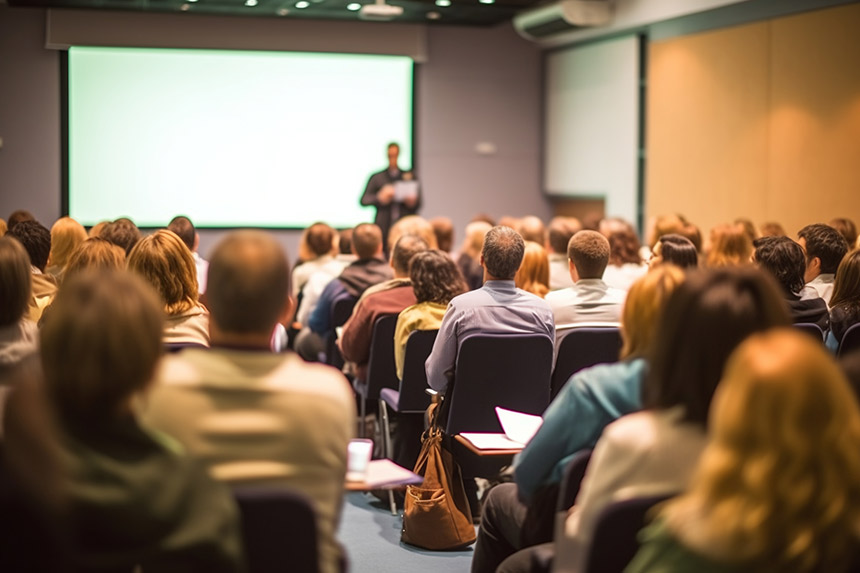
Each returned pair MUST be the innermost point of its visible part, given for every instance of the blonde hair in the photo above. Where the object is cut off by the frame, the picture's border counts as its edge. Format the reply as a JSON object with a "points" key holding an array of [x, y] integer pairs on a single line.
{"points": [[730, 245], [166, 263], [474, 241], [644, 304], [777, 484], [94, 253], [66, 235], [412, 225], [533, 275], [96, 230]]}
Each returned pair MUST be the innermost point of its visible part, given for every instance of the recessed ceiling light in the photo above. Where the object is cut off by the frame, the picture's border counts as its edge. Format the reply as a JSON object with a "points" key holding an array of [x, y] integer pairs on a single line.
{"points": [[192, 1], [353, 6], [443, 3], [185, 7], [302, 4], [487, 1], [283, 12], [250, 3], [433, 15]]}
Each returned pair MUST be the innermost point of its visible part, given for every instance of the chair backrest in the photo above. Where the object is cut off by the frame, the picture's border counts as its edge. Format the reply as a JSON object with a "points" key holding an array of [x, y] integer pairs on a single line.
{"points": [[811, 329], [278, 530], [341, 309], [615, 534], [507, 370], [573, 474], [173, 347], [581, 347], [850, 340], [413, 397], [381, 370]]}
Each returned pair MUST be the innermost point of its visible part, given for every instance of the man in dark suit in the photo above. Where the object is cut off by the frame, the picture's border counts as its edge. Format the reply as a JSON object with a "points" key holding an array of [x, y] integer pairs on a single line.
{"points": [[380, 192]]}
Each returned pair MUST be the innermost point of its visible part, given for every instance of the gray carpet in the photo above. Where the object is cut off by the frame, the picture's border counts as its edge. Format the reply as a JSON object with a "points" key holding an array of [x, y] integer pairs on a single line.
{"points": [[371, 536]]}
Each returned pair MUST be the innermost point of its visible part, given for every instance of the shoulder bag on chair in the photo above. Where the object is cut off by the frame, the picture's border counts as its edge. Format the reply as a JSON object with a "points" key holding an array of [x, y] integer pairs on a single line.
{"points": [[436, 514]]}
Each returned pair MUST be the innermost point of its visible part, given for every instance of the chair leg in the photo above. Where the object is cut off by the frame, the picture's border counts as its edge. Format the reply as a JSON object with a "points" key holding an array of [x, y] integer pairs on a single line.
{"points": [[362, 423], [386, 447]]}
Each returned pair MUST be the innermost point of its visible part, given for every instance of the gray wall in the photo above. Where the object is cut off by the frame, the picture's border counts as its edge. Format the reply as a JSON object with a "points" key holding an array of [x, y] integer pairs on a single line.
{"points": [[477, 85]]}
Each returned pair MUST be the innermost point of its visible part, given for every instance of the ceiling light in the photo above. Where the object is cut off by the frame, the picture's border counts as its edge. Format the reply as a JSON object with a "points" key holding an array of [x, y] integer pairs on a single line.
{"points": [[283, 12], [185, 7], [487, 1], [433, 15], [250, 3], [443, 3], [302, 4], [353, 7]]}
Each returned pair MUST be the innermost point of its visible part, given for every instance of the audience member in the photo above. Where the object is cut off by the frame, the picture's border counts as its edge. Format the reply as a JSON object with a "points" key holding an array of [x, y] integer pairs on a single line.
{"points": [[783, 259], [824, 248], [411, 225], [122, 232], [776, 487], [95, 253], [561, 229], [443, 228], [18, 335], [96, 230], [18, 216], [317, 248], [255, 417], [663, 225], [772, 229], [847, 229], [625, 262], [136, 500], [3, 227], [164, 261], [389, 297], [589, 299], [674, 250], [590, 400], [185, 230], [66, 235], [324, 274], [749, 228], [533, 274], [729, 246], [532, 229], [845, 304], [37, 242], [497, 307], [470, 254]]}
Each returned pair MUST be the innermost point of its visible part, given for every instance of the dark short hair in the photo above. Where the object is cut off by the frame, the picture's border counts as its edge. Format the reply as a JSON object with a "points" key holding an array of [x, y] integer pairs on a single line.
{"points": [[706, 317], [366, 239], [184, 229], [589, 253], [503, 252], [436, 277], [249, 282], [783, 259], [826, 243], [847, 229], [560, 230], [36, 239], [18, 216], [405, 248], [320, 239], [15, 281], [344, 242], [443, 228], [679, 251], [122, 232]]}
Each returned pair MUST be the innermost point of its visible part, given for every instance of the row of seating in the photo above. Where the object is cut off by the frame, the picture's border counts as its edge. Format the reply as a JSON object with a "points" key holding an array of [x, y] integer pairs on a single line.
{"points": [[850, 340]]}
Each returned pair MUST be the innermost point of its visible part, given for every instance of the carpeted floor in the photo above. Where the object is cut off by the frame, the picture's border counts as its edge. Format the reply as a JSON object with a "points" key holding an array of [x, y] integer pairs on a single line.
{"points": [[371, 536]]}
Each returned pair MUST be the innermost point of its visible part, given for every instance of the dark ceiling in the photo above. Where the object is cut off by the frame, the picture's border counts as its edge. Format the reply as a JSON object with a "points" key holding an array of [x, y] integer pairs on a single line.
{"points": [[443, 12]]}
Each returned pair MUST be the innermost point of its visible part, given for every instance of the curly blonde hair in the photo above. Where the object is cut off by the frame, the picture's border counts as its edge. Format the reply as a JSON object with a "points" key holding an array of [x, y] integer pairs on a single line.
{"points": [[777, 485]]}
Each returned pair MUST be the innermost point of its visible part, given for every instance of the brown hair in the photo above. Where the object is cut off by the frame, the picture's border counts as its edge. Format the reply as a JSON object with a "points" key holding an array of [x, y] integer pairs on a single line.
{"points": [[443, 228], [412, 225], [561, 229], [846, 285], [317, 241], [646, 300], [589, 253], [66, 235], [95, 253], [122, 232], [624, 247], [435, 277], [533, 275], [730, 245], [166, 263], [366, 239], [15, 281], [406, 247]]}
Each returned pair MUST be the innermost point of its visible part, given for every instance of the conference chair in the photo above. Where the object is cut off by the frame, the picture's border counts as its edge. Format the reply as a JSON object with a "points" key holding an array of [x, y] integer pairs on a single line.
{"points": [[811, 329], [341, 310], [572, 480], [850, 340], [381, 371], [278, 530], [581, 347]]}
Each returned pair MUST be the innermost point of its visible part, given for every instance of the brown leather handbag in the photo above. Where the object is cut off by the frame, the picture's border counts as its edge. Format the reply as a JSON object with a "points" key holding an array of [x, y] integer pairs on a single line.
{"points": [[436, 514]]}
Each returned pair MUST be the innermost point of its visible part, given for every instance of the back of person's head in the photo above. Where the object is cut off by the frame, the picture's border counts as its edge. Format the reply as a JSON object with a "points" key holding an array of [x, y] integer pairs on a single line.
{"points": [[474, 241], [406, 247], [503, 252], [730, 245], [18, 216], [96, 230], [443, 228], [559, 232], [533, 274], [847, 229], [184, 229], [776, 486], [166, 264], [3, 227], [589, 253], [665, 225], [15, 281], [317, 241], [532, 229], [95, 253], [36, 239], [772, 229], [412, 225], [249, 283], [66, 235], [100, 345], [122, 232], [645, 302], [705, 319], [624, 246], [846, 286], [749, 228], [366, 240], [824, 242], [675, 250], [783, 259], [344, 242], [435, 277]]}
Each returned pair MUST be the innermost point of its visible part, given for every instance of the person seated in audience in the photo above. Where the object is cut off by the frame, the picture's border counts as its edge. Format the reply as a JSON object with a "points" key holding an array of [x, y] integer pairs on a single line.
{"points": [[185, 230], [532, 229], [166, 264], [134, 497], [560, 230], [772, 229], [625, 262], [18, 334], [784, 260], [324, 274], [36, 240], [317, 248], [655, 451], [749, 228], [824, 248], [256, 417], [122, 232], [847, 229], [96, 230], [729, 246], [659, 226], [18, 216], [776, 487], [443, 228], [498, 307], [3, 227], [95, 253], [389, 297], [411, 225], [589, 299], [470, 254], [66, 235], [370, 268], [590, 400], [845, 303], [674, 250], [533, 275]]}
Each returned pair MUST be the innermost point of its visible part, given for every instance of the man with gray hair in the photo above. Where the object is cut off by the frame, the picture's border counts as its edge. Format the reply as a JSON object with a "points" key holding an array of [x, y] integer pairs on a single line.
{"points": [[498, 307]]}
